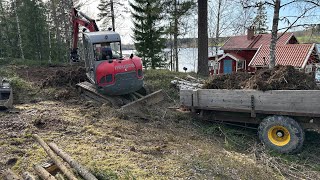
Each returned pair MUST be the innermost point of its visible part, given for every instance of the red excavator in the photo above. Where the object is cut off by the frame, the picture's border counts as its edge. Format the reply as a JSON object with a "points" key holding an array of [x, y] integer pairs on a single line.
{"points": [[109, 73]]}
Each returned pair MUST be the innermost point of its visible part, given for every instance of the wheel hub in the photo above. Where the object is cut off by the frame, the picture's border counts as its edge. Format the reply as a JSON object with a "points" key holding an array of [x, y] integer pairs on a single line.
{"points": [[279, 135]]}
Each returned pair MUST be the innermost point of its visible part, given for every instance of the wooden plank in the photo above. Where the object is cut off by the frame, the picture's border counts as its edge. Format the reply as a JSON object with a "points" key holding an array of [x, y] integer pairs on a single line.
{"points": [[147, 100], [293, 102], [186, 97]]}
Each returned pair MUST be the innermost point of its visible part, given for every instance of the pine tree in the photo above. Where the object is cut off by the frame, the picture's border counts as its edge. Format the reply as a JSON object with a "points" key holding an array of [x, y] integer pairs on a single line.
{"points": [[148, 31], [260, 21], [110, 11], [33, 29]]}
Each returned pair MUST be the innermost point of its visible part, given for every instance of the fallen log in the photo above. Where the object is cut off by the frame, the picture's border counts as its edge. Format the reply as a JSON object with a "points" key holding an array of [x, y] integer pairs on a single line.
{"points": [[10, 175], [45, 175], [27, 176], [81, 170], [55, 159]]}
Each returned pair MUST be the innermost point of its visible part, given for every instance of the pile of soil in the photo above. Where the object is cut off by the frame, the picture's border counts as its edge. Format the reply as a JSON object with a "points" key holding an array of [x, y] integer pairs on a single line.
{"points": [[66, 77], [227, 81], [279, 78]]}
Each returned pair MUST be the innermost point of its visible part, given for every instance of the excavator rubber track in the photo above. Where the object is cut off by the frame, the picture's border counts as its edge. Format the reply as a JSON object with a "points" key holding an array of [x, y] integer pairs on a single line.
{"points": [[6, 95], [126, 102]]}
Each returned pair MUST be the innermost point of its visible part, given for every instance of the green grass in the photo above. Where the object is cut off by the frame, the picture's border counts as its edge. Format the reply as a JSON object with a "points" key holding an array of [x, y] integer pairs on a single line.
{"points": [[160, 79]]}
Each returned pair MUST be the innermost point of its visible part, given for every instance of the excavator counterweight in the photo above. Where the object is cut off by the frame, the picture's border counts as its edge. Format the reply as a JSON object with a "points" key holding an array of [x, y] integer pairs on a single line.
{"points": [[6, 96]]}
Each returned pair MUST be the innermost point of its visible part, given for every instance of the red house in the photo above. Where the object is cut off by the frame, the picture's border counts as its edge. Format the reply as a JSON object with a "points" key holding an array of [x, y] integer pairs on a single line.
{"points": [[251, 52]]}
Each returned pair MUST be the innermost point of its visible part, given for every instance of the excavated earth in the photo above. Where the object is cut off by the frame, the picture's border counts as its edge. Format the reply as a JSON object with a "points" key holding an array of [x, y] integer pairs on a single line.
{"points": [[279, 78]]}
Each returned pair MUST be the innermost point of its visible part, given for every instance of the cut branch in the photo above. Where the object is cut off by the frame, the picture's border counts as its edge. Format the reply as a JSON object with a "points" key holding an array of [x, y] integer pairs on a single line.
{"points": [[55, 159], [81, 170], [43, 173]]}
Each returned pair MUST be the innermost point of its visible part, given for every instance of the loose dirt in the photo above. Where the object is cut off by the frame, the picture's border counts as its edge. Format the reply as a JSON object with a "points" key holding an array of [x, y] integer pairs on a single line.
{"points": [[279, 78]]}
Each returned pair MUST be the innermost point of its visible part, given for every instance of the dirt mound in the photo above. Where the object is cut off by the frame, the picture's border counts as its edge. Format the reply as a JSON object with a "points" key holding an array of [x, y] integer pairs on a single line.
{"points": [[66, 77], [228, 81], [279, 78]]}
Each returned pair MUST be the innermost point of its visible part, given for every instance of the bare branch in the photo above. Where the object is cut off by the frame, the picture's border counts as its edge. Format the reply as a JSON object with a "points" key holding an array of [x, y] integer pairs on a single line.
{"points": [[299, 17]]}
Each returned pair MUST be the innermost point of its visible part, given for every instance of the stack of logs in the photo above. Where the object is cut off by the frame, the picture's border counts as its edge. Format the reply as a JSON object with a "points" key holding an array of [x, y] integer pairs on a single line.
{"points": [[53, 152], [188, 83]]}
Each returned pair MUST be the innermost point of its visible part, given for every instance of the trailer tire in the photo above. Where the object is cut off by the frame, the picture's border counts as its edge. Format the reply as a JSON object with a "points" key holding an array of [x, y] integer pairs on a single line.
{"points": [[281, 133]]}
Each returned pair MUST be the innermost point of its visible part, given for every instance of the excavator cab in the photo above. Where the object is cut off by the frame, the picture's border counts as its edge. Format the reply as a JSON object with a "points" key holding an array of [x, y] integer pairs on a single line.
{"points": [[106, 68]]}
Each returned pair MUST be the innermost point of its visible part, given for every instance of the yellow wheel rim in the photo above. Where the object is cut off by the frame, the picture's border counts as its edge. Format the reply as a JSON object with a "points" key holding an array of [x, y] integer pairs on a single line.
{"points": [[279, 135]]}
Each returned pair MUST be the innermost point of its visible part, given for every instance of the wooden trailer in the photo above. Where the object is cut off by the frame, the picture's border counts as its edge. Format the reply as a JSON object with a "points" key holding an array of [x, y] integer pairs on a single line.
{"points": [[282, 115]]}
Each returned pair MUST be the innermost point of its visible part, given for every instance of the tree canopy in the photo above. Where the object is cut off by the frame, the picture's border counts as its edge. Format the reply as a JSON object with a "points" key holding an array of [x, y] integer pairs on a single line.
{"points": [[148, 32]]}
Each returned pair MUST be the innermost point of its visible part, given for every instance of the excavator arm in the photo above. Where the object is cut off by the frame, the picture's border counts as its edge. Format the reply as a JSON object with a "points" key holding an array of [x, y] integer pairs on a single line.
{"points": [[80, 19]]}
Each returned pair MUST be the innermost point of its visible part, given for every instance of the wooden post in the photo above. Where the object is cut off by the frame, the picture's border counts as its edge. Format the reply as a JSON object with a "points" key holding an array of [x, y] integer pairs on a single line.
{"points": [[45, 175], [27, 176], [10, 175], [81, 170], [55, 159]]}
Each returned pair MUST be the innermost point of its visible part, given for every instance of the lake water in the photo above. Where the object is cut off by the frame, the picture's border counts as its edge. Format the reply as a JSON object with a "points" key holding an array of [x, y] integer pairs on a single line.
{"points": [[188, 57]]}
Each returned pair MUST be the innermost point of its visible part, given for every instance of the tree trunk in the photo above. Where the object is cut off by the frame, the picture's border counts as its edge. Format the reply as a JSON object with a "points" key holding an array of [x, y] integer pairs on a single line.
{"points": [[43, 173], [203, 69], [80, 169], [55, 159], [19, 30], [217, 34], [175, 35], [274, 34]]}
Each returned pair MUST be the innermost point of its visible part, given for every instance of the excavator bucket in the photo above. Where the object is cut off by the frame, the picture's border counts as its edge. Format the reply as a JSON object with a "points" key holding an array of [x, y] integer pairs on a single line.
{"points": [[6, 96]]}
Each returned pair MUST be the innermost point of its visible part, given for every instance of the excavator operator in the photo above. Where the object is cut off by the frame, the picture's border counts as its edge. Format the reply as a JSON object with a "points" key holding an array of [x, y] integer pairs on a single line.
{"points": [[103, 52]]}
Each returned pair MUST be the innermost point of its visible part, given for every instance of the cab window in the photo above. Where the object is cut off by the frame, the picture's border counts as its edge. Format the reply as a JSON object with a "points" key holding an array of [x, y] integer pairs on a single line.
{"points": [[107, 51]]}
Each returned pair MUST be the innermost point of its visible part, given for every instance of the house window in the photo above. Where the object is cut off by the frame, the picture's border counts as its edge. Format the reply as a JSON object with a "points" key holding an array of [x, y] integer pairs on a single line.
{"points": [[240, 65]]}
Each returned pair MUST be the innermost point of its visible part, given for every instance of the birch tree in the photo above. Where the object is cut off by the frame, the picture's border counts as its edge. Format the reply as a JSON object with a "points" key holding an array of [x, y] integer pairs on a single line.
{"points": [[15, 7]]}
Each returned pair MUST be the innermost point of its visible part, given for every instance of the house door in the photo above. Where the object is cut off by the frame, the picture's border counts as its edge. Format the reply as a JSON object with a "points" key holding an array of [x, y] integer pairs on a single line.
{"points": [[227, 66]]}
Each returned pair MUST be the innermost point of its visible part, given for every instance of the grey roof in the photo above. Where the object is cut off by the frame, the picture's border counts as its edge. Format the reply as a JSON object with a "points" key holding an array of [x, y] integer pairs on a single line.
{"points": [[102, 36]]}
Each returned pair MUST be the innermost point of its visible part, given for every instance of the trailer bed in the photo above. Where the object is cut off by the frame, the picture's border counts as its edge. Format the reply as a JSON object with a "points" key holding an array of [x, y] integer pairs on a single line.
{"points": [[279, 102]]}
